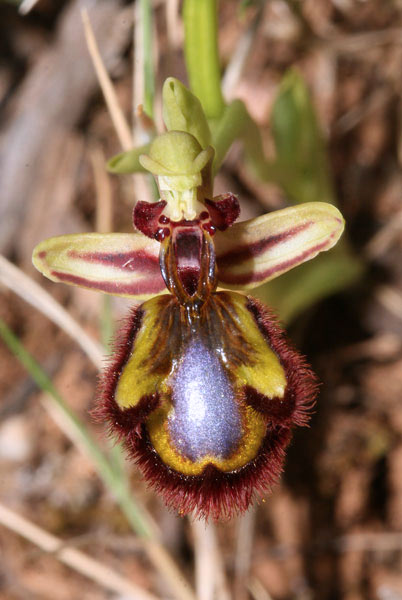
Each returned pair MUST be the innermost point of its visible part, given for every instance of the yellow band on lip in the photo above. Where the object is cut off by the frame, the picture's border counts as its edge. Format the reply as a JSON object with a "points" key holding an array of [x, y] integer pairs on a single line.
{"points": [[254, 429], [246, 357]]}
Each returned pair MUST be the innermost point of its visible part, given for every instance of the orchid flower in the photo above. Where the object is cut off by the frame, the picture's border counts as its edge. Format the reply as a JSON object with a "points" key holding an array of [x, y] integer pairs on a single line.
{"points": [[204, 387]]}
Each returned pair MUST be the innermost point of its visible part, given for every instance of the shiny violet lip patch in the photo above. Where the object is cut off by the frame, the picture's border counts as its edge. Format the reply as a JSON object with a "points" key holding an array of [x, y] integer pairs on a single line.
{"points": [[206, 417]]}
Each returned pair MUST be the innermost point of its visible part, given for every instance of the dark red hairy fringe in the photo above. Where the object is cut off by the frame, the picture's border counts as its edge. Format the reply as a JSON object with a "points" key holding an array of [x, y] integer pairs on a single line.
{"points": [[121, 422], [214, 493], [302, 383]]}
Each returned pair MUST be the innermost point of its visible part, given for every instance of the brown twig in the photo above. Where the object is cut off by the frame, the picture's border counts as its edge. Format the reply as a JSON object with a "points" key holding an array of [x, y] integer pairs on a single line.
{"points": [[119, 121], [235, 68], [13, 278], [246, 525], [104, 205], [26, 6]]}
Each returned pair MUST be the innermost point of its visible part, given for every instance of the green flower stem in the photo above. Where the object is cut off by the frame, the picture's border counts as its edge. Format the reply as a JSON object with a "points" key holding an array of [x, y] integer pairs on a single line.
{"points": [[116, 485], [201, 54], [147, 52]]}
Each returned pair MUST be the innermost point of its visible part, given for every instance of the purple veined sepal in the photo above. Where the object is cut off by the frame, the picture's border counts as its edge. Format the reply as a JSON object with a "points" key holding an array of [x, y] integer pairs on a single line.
{"points": [[247, 255], [256, 251], [121, 264]]}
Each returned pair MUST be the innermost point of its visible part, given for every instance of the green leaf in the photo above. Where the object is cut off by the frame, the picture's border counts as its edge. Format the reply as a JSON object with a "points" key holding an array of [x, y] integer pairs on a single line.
{"points": [[236, 123], [301, 157], [127, 162], [201, 54]]}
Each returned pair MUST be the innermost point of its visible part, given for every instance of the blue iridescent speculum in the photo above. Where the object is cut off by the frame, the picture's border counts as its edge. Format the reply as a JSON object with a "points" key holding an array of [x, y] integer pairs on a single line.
{"points": [[204, 388], [206, 418]]}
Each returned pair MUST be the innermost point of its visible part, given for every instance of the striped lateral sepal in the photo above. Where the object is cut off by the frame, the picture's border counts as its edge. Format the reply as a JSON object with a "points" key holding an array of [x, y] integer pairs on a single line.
{"points": [[253, 252], [122, 264]]}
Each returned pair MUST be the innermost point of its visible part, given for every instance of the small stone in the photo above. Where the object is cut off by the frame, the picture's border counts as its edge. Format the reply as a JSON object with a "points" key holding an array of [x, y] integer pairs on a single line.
{"points": [[15, 442]]}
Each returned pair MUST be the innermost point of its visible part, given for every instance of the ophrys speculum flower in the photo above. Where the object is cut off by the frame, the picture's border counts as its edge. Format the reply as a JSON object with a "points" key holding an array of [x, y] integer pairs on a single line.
{"points": [[204, 387]]}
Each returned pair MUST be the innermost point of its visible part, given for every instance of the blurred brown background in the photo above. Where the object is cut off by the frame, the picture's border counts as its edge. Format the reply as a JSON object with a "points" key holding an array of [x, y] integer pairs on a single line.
{"points": [[333, 527]]}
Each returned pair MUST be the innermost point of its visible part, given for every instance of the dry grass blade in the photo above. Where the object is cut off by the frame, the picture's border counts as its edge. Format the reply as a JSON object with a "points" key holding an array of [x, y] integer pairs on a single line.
{"points": [[104, 204], [142, 130], [360, 42], [210, 572], [26, 6], [257, 590], [174, 29], [377, 542], [391, 299], [235, 68], [243, 553], [205, 574], [13, 278], [77, 560], [162, 560], [385, 237], [119, 121]]}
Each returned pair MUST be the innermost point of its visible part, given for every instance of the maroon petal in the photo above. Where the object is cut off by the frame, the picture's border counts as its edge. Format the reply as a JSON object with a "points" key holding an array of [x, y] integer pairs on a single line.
{"points": [[149, 220], [223, 210]]}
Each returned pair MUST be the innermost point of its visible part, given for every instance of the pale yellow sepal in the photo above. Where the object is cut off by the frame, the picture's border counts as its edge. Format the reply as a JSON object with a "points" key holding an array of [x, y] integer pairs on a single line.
{"points": [[122, 264], [254, 252]]}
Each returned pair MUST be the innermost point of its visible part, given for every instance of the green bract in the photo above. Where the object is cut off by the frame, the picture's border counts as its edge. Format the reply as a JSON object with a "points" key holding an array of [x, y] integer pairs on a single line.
{"points": [[127, 162], [182, 111]]}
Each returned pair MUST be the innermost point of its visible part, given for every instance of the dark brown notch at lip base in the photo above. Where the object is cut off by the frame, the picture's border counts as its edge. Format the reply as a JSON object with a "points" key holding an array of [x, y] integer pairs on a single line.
{"points": [[187, 244], [302, 384], [277, 410]]}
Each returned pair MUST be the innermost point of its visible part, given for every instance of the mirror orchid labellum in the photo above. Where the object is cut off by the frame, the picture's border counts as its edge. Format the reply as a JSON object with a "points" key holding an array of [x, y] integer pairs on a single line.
{"points": [[204, 388]]}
